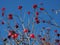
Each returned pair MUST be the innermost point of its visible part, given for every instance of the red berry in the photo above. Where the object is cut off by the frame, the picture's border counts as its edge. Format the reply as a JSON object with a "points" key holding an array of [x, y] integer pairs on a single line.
{"points": [[58, 34], [13, 36], [36, 18], [35, 6], [2, 13], [37, 13], [10, 16], [2, 22], [59, 44], [25, 30], [9, 36], [55, 31], [57, 41], [3, 9], [43, 39], [32, 36], [28, 12], [16, 35], [37, 21], [19, 7], [41, 8], [16, 26], [10, 33]]}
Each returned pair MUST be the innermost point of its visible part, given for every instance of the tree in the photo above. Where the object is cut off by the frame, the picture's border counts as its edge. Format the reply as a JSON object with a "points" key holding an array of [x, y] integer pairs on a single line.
{"points": [[21, 34]]}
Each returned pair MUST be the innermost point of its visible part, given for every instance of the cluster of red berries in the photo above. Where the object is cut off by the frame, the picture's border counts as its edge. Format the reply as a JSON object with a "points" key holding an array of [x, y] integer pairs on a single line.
{"points": [[19, 7], [3, 9], [13, 34], [35, 6], [10, 16], [31, 35], [37, 20]]}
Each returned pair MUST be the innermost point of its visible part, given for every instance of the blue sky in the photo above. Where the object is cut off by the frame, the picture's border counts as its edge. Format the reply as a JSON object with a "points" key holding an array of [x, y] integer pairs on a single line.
{"points": [[12, 7]]}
